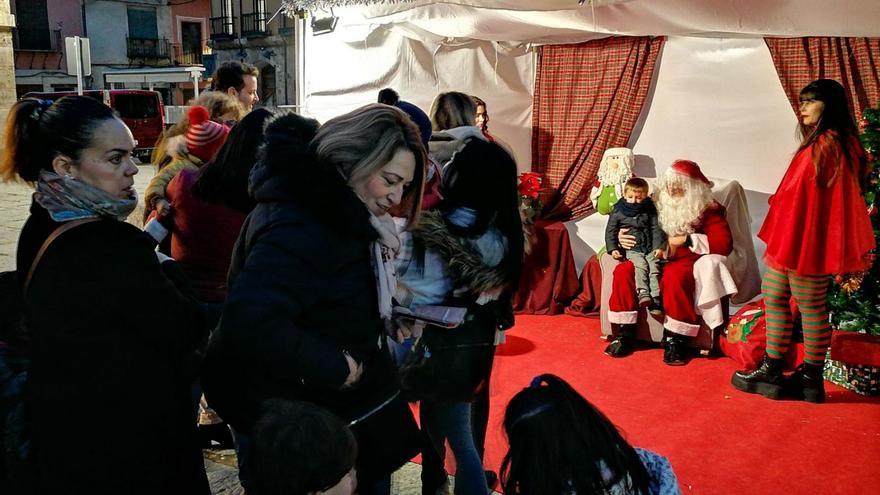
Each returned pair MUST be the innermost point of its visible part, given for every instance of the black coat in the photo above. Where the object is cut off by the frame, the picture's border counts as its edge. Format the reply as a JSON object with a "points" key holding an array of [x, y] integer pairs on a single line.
{"points": [[110, 374], [302, 293], [641, 220]]}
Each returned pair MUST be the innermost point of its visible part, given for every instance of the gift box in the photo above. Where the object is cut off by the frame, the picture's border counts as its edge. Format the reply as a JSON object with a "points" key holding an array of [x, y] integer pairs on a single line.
{"points": [[860, 378], [854, 362]]}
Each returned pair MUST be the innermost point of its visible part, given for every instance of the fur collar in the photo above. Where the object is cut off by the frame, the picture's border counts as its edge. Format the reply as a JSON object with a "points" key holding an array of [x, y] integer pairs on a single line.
{"points": [[465, 264]]}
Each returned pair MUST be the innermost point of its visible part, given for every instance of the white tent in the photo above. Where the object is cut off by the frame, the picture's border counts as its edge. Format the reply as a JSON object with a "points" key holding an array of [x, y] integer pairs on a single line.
{"points": [[716, 99]]}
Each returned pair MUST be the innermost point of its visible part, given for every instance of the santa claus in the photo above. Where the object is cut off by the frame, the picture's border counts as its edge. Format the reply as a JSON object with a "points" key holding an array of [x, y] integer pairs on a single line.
{"points": [[696, 228]]}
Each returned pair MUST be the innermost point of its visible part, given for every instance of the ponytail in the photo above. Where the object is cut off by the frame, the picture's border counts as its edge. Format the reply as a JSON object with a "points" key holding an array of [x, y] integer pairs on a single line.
{"points": [[21, 135], [39, 130]]}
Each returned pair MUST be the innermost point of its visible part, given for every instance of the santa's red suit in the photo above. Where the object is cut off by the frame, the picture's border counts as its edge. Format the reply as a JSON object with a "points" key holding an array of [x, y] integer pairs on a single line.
{"points": [[711, 235]]}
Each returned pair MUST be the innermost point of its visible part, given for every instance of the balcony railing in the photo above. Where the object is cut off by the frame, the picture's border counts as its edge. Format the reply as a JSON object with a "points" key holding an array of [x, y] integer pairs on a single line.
{"points": [[47, 40], [223, 28], [253, 25], [187, 55], [149, 48]]}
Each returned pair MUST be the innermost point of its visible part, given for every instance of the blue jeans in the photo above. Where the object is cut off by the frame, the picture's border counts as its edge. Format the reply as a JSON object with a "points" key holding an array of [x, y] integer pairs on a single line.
{"points": [[452, 421]]}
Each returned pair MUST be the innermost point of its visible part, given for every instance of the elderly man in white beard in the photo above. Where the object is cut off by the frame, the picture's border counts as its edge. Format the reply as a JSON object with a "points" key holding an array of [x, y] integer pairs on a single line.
{"points": [[696, 226]]}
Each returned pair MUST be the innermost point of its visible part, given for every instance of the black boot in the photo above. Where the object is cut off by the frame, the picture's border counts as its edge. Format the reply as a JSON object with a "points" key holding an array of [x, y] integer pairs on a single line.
{"points": [[806, 383], [623, 343], [766, 379], [675, 349]]}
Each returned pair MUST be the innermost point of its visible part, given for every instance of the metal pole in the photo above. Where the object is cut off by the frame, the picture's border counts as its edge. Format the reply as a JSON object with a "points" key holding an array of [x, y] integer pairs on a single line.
{"points": [[196, 77], [79, 67]]}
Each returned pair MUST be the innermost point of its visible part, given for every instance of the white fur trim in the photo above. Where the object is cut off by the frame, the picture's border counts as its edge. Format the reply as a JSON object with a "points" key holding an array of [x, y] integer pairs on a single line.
{"points": [[700, 243], [713, 282], [680, 327], [623, 317]]}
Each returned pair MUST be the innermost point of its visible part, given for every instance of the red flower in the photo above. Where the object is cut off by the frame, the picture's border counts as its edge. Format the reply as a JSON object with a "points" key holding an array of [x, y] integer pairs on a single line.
{"points": [[530, 185], [863, 124]]}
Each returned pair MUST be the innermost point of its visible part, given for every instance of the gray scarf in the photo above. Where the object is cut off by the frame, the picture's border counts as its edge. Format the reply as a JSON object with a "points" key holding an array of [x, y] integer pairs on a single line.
{"points": [[69, 199]]}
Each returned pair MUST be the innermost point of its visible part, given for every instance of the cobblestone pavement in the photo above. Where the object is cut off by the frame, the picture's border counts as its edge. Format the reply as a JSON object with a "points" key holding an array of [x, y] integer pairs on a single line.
{"points": [[15, 202]]}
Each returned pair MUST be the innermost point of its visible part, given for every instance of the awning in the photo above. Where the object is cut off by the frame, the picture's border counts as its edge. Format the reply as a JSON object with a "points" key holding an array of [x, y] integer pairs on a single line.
{"points": [[154, 75], [150, 76]]}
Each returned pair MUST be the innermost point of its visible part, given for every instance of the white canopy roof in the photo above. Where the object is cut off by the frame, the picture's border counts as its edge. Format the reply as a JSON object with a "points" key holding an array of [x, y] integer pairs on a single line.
{"points": [[565, 21]]}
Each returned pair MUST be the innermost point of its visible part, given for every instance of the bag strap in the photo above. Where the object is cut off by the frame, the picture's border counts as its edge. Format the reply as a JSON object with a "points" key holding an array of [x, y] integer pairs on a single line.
{"points": [[64, 227]]}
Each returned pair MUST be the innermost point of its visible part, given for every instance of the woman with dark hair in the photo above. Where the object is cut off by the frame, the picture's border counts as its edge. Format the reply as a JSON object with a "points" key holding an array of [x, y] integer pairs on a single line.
{"points": [[817, 226], [210, 205], [310, 283], [467, 253], [108, 378], [560, 444]]}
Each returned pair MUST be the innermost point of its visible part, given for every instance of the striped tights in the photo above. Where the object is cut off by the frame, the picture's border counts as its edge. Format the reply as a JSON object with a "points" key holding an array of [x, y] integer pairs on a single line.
{"points": [[809, 292]]}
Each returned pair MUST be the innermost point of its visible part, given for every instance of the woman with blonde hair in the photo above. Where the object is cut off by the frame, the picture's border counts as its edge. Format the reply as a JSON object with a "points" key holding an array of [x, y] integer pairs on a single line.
{"points": [[453, 115], [311, 283]]}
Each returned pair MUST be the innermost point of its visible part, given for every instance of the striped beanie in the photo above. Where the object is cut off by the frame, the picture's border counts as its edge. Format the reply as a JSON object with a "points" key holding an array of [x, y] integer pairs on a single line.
{"points": [[204, 136]]}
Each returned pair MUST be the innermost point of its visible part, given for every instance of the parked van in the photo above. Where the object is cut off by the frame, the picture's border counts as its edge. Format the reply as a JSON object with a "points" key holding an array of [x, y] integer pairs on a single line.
{"points": [[141, 110]]}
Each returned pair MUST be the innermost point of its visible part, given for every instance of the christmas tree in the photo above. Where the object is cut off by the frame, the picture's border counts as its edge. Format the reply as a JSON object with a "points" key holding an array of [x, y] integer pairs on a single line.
{"points": [[854, 300]]}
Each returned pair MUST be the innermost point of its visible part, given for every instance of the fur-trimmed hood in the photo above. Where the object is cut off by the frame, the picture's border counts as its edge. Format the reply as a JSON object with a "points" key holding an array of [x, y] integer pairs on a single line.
{"points": [[465, 264]]}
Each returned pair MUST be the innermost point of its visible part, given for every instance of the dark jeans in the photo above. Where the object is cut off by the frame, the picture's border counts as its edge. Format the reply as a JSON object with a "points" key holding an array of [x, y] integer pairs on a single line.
{"points": [[452, 421]]}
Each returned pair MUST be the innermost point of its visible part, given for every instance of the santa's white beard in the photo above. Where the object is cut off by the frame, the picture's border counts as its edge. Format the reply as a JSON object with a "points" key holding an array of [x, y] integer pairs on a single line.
{"points": [[679, 215], [610, 177]]}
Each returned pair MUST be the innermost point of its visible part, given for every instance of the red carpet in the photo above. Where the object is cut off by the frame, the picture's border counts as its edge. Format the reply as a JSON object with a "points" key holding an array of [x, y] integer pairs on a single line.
{"points": [[719, 440]]}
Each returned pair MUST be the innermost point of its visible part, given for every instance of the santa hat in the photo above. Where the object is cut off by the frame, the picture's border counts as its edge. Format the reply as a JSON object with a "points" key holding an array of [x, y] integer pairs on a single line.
{"points": [[204, 136], [689, 169]]}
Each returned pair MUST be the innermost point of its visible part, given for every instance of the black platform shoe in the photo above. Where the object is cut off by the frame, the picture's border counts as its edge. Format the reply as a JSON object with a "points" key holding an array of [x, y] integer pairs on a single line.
{"points": [[766, 379], [674, 350], [806, 383], [623, 342]]}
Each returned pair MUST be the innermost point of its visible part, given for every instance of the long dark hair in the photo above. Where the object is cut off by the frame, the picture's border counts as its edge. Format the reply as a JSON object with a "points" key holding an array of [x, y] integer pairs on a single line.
{"points": [[483, 177], [560, 443], [224, 179], [39, 130], [837, 123]]}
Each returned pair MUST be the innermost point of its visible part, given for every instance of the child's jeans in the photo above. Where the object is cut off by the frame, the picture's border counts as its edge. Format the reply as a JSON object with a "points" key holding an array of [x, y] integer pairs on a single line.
{"points": [[647, 273]]}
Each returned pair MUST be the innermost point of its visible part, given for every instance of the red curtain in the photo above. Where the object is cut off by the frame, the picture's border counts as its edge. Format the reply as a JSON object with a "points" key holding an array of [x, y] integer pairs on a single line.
{"points": [[587, 99], [854, 62]]}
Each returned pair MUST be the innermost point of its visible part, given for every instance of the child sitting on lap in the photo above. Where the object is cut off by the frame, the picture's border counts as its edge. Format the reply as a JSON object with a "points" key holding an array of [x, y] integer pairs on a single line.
{"points": [[636, 213]]}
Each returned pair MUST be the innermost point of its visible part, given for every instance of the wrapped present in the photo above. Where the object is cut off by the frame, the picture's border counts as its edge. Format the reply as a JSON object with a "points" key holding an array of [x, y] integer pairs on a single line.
{"points": [[745, 338], [860, 378]]}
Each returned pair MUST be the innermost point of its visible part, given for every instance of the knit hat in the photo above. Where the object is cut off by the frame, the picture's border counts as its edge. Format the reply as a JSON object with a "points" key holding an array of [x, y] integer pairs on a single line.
{"points": [[419, 117], [204, 136], [690, 170]]}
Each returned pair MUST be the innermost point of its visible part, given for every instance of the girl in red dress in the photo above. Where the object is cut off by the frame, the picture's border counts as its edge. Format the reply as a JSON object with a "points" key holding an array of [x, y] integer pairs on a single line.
{"points": [[817, 226]]}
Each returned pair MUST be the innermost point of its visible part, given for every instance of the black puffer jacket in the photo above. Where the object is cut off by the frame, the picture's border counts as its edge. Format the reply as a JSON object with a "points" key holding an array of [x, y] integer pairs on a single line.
{"points": [[302, 293]]}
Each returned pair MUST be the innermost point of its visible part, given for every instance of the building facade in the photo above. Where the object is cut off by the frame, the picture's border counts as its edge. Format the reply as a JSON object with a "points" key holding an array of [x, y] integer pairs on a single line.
{"points": [[250, 31], [38, 43]]}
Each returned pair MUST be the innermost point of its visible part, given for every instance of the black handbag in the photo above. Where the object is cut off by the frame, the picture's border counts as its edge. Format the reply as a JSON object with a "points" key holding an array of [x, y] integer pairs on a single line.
{"points": [[451, 364]]}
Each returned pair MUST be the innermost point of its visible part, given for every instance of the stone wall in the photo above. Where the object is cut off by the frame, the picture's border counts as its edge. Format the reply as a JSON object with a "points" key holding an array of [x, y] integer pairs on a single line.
{"points": [[7, 63]]}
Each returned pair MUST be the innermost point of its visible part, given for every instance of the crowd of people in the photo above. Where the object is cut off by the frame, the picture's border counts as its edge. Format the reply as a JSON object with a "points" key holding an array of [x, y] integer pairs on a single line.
{"points": [[288, 266]]}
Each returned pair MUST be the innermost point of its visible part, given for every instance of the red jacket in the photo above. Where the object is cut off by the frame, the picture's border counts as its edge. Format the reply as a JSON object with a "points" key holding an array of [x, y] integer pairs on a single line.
{"points": [[202, 237]]}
